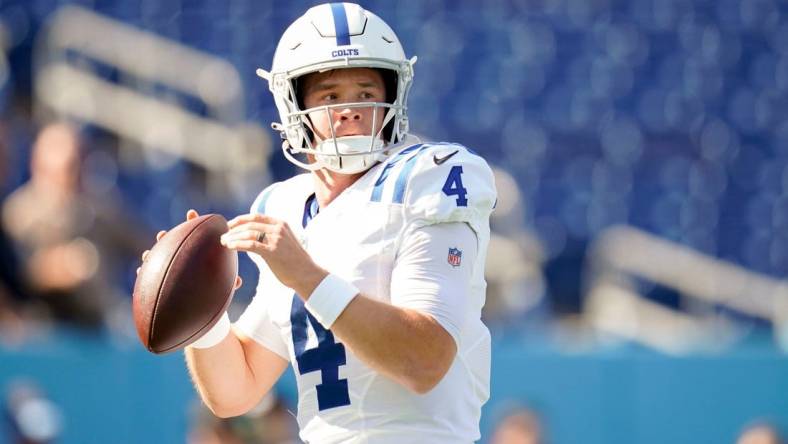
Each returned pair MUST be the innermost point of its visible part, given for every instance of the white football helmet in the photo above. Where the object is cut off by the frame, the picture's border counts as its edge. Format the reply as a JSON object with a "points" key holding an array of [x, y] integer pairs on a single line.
{"points": [[335, 36]]}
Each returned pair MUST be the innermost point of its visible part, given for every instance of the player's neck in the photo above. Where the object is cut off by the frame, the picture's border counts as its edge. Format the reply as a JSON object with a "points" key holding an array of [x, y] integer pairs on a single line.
{"points": [[329, 185]]}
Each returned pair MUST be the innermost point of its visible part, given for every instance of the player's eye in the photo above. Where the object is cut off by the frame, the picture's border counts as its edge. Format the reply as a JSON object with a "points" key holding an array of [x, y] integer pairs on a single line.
{"points": [[368, 95], [329, 97]]}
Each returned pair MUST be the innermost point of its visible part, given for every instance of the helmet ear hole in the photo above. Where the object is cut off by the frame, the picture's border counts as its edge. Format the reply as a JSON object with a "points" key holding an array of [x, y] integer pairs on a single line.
{"points": [[309, 133], [299, 95], [390, 81]]}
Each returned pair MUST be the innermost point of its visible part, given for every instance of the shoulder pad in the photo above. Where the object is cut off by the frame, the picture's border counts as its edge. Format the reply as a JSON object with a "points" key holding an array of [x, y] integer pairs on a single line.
{"points": [[437, 182], [260, 202], [271, 197]]}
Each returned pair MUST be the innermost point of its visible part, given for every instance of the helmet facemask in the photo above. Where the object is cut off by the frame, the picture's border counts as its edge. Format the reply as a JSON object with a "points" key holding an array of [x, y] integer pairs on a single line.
{"points": [[345, 154]]}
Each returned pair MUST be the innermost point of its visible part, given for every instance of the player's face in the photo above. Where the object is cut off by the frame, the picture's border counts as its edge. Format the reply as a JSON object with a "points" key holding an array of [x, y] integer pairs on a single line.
{"points": [[345, 86]]}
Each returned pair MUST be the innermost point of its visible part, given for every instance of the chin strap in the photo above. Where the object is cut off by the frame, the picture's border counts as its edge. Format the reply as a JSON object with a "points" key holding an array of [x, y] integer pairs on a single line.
{"points": [[353, 162], [349, 145], [345, 155], [349, 154]]}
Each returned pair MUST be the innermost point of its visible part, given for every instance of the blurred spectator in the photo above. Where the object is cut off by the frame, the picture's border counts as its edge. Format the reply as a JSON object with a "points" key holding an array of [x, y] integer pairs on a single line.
{"points": [[515, 281], [11, 290], [760, 433], [12, 283], [70, 241], [519, 427], [30, 416], [269, 423]]}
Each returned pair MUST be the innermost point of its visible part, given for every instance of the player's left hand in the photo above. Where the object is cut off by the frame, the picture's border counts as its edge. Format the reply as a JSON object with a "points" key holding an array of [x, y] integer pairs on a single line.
{"points": [[191, 214], [276, 243]]}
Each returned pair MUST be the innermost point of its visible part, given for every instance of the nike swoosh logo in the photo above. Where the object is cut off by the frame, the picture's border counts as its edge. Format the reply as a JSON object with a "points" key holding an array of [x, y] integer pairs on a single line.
{"points": [[440, 160]]}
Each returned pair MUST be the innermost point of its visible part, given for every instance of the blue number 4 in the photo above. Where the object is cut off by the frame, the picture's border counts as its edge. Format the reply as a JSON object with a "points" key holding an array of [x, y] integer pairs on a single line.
{"points": [[326, 357], [453, 186]]}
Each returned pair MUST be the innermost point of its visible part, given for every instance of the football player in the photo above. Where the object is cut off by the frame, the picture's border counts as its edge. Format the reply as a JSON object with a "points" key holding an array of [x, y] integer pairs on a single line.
{"points": [[371, 263]]}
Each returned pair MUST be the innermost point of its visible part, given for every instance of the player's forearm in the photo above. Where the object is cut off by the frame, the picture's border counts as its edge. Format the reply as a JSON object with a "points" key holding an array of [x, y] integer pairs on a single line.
{"points": [[222, 377], [410, 347]]}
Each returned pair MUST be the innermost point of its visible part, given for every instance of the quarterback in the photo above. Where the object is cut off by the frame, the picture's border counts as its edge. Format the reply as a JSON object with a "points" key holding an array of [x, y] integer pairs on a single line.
{"points": [[371, 263]]}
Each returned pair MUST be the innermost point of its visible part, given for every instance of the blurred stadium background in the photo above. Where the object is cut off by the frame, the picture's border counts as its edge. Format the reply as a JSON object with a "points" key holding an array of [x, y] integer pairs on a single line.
{"points": [[636, 275]]}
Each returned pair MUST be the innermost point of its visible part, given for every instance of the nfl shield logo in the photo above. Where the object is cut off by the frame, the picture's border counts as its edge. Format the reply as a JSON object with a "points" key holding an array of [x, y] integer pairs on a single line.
{"points": [[455, 257]]}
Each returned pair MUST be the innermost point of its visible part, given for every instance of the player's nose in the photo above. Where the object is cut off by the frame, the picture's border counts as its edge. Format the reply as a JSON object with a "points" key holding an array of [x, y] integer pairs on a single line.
{"points": [[350, 114]]}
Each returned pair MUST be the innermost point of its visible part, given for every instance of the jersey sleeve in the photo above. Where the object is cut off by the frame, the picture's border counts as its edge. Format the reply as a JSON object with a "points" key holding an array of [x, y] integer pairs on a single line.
{"points": [[433, 271], [447, 183], [255, 321]]}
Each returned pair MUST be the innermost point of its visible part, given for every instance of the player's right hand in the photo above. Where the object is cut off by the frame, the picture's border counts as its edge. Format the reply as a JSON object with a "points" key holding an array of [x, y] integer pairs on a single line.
{"points": [[191, 214]]}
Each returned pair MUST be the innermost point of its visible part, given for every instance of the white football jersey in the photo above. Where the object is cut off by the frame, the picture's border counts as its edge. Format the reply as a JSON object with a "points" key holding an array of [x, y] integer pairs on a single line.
{"points": [[358, 237]]}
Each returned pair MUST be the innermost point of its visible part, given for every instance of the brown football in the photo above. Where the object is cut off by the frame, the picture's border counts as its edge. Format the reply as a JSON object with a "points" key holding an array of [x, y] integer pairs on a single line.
{"points": [[184, 285]]}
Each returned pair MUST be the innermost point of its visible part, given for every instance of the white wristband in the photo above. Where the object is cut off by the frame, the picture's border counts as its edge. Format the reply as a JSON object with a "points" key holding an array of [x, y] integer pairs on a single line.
{"points": [[330, 298], [215, 335]]}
